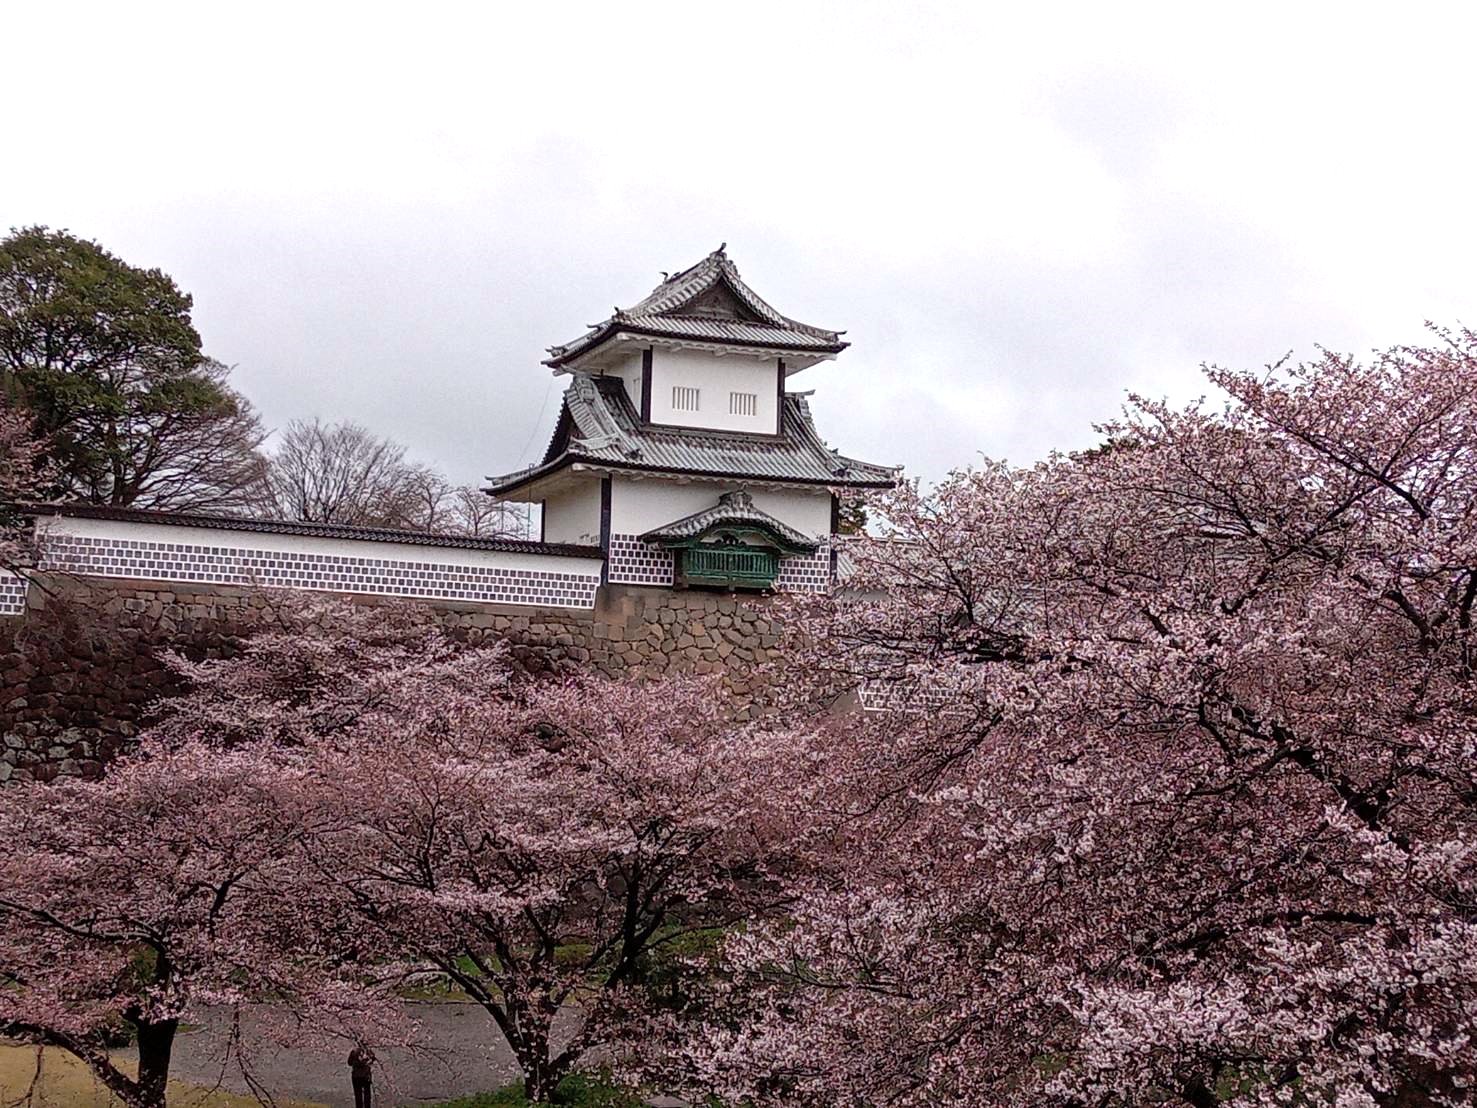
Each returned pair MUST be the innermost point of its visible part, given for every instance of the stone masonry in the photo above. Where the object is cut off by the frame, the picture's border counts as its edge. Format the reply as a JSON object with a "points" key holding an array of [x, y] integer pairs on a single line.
{"points": [[81, 669]]}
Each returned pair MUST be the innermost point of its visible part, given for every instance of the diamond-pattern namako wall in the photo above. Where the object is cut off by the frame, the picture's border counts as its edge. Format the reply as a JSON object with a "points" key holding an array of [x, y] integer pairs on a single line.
{"points": [[633, 562], [477, 579]]}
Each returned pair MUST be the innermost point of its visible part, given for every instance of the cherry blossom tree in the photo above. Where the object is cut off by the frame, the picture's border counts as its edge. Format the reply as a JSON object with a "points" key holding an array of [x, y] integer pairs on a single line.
{"points": [[131, 902], [1173, 798], [536, 842], [321, 667], [539, 852]]}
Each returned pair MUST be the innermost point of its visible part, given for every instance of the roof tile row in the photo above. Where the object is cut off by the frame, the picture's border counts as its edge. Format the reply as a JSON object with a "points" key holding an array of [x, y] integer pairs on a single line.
{"points": [[599, 426], [675, 308]]}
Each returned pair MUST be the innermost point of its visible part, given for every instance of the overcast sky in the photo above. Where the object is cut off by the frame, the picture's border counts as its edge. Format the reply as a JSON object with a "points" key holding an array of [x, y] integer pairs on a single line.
{"points": [[1019, 212]]}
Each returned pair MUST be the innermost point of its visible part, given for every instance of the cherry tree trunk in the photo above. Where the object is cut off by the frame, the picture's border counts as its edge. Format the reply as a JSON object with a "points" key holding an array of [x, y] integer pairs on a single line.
{"points": [[540, 1074], [155, 1048], [538, 1079]]}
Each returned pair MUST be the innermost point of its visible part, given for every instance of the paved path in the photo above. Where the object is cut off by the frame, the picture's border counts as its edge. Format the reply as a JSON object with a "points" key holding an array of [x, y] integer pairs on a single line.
{"points": [[468, 1056]]}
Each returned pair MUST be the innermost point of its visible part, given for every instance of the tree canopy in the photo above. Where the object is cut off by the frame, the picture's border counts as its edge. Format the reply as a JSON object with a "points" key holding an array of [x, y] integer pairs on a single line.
{"points": [[357, 800], [130, 902], [536, 842], [106, 359], [20, 480]]}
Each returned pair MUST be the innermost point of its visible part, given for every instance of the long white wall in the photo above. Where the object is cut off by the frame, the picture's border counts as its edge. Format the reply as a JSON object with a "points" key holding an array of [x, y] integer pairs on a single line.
{"points": [[168, 552], [715, 376]]}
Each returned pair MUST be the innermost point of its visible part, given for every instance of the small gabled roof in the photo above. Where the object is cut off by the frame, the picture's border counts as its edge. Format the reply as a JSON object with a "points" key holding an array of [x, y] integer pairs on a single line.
{"points": [[707, 302], [737, 510], [599, 427]]}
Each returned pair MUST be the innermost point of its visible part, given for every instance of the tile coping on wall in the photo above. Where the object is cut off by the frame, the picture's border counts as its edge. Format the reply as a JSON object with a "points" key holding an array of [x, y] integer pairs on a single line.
{"points": [[211, 522]]}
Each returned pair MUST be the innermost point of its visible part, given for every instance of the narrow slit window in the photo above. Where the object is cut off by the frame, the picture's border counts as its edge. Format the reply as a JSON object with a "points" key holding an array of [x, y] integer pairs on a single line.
{"points": [[743, 403], [684, 398]]}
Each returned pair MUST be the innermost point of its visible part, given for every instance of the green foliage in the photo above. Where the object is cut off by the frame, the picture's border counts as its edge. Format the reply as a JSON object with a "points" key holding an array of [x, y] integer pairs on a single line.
{"points": [[851, 517], [674, 965], [572, 955], [105, 357], [578, 1090], [1113, 444]]}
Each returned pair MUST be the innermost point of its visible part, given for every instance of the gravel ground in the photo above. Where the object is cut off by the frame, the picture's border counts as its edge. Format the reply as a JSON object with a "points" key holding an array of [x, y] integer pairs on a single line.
{"points": [[467, 1056]]}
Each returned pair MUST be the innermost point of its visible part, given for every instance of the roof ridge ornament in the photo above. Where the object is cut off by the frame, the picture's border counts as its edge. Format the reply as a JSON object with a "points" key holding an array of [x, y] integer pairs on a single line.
{"points": [[734, 511]]}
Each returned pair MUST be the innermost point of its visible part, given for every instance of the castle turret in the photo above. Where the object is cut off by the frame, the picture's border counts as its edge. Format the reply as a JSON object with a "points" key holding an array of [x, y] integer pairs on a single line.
{"points": [[680, 452]]}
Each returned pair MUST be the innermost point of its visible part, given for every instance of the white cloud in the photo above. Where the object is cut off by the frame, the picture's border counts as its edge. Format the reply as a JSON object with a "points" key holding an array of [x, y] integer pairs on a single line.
{"points": [[1019, 212]]}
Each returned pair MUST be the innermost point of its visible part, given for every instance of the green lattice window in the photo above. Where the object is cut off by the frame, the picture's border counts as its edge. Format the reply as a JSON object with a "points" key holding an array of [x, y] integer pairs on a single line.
{"points": [[727, 566]]}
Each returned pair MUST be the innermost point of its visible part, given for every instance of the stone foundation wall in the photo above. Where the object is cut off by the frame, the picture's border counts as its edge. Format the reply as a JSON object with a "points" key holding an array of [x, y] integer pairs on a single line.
{"points": [[80, 669]]}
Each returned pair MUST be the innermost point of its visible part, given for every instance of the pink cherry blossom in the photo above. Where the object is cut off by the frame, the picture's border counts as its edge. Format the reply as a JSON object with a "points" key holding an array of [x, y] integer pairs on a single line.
{"points": [[1175, 799], [536, 843], [130, 902]]}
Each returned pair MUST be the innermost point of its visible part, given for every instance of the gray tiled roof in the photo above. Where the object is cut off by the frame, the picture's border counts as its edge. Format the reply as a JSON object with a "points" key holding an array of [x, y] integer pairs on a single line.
{"points": [[724, 330], [599, 426], [674, 308], [735, 509]]}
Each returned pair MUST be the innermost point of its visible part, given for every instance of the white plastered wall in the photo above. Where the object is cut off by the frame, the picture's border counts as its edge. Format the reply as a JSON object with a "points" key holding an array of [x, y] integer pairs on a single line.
{"points": [[310, 544], [166, 552], [715, 376], [638, 506], [573, 514], [628, 369]]}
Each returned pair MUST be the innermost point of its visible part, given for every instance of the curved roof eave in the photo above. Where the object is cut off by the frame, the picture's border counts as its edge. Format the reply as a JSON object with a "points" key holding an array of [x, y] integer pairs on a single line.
{"points": [[595, 339], [511, 482]]}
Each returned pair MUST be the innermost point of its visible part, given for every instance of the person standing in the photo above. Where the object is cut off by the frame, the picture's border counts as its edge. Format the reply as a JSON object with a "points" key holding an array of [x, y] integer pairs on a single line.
{"points": [[361, 1073]]}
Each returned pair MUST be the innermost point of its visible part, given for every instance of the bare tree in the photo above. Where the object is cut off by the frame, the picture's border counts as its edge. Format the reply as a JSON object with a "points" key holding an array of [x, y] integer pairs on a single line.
{"points": [[427, 505], [470, 511], [189, 460], [342, 473]]}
